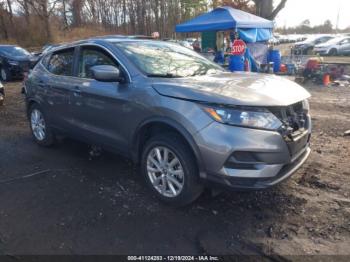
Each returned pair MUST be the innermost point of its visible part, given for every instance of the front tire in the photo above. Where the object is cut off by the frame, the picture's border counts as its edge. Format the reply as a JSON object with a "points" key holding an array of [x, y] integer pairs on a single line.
{"points": [[333, 52], [39, 126], [170, 170], [308, 51]]}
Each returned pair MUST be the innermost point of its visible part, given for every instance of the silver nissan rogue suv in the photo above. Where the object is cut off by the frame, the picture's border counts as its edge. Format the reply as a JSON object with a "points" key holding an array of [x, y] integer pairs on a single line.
{"points": [[185, 120]]}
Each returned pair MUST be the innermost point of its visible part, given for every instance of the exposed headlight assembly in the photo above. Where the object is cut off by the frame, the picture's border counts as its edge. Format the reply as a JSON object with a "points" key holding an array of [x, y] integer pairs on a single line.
{"points": [[306, 106], [244, 117]]}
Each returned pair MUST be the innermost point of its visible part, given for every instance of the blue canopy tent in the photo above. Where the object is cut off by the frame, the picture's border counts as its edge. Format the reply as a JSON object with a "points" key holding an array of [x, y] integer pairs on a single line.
{"points": [[251, 28]]}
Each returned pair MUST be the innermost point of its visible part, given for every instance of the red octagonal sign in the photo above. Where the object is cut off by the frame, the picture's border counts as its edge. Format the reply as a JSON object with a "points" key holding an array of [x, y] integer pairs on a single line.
{"points": [[238, 47]]}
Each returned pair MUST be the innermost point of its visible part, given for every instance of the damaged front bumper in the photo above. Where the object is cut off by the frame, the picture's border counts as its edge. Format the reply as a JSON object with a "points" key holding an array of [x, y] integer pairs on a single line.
{"points": [[244, 158]]}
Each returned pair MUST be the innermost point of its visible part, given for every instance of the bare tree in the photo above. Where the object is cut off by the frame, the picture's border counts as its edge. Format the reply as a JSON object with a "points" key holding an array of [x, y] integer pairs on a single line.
{"points": [[264, 8], [3, 26], [9, 5], [76, 9], [44, 9], [41, 17]]}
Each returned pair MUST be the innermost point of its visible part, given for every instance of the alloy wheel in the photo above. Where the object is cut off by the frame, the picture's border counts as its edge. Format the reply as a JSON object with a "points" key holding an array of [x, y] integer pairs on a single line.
{"points": [[165, 171], [38, 124]]}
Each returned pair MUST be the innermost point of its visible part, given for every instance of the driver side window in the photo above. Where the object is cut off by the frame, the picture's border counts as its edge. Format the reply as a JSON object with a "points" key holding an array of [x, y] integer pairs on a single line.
{"points": [[93, 56]]}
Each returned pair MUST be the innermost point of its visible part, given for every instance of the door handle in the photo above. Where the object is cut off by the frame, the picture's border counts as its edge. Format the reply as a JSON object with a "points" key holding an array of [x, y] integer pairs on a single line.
{"points": [[77, 91]]}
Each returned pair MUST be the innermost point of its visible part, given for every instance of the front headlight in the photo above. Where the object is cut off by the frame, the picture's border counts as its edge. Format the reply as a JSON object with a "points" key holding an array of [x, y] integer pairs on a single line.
{"points": [[245, 117], [12, 62]]}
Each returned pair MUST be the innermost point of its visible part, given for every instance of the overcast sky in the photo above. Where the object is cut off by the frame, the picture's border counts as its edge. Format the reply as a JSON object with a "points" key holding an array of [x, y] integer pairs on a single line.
{"points": [[317, 11]]}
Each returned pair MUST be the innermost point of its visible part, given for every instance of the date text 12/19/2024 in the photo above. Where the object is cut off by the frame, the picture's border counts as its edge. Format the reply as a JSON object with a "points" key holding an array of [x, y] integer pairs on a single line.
{"points": [[173, 258]]}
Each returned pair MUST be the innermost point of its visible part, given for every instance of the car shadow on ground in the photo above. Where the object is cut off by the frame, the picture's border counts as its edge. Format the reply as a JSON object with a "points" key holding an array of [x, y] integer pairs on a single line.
{"points": [[102, 206]]}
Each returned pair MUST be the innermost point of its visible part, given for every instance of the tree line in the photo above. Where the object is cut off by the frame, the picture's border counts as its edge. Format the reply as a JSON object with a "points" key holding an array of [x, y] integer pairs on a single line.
{"points": [[306, 28], [36, 22]]}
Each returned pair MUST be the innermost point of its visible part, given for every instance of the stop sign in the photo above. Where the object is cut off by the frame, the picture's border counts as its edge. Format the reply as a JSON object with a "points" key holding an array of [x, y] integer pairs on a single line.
{"points": [[238, 47]]}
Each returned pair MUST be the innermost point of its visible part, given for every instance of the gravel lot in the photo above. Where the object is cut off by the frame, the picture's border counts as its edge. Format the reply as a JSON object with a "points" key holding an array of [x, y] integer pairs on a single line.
{"points": [[58, 201]]}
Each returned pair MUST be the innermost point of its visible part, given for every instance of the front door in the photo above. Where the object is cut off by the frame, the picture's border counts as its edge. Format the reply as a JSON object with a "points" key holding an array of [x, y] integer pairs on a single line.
{"points": [[100, 107], [344, 46]]}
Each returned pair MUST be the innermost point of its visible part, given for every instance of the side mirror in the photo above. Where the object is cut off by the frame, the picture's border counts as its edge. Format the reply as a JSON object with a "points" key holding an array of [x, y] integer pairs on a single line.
{"points": [[106, 73]]}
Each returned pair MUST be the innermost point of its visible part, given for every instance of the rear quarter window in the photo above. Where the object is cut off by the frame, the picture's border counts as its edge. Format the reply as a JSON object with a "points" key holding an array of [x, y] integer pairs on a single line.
{"points": [[61, 62], [45, 61]]}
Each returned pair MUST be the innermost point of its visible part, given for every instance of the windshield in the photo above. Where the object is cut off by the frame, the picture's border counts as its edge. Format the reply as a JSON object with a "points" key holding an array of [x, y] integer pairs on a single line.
{"points": [[14, 51], [318, 39], [160, 59], [334, 41]]}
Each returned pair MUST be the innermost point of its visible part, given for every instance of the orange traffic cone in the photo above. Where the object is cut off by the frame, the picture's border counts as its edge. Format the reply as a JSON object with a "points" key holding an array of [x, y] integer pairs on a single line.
{"points": [[326, 79]]}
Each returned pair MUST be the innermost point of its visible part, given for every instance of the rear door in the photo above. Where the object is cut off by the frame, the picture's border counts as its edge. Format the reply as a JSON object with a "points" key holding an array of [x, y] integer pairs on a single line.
{"points": [[100, 107], [60, 84]]}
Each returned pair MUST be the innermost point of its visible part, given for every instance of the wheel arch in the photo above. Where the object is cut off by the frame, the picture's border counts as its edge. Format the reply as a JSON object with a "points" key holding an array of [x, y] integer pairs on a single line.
{"points": [[29, 103], [333, 50], [163, 124]]}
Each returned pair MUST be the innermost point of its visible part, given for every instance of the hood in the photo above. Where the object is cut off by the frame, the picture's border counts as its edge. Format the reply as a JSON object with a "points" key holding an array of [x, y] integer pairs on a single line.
{"points": [[246, 89], [24, 58]]}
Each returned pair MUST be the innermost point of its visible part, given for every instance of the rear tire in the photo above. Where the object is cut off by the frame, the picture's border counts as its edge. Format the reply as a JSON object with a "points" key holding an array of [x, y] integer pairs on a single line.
{"points": [[41, 131], [175, 184]]}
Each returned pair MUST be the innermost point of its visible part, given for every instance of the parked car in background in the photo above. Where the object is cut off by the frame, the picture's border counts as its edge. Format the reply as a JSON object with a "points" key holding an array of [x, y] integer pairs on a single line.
{"points": [[186, 44], [274, 40], [293, 38], [197, 45], [2, 94], [306, 47], [14, 62], [335, 46], [191, 40], [184, 119]]}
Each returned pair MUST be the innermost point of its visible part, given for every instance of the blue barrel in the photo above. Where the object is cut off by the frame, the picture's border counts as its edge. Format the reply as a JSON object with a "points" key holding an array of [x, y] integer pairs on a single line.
{"points": [[236, 63], [275, 57], [219, 57]]}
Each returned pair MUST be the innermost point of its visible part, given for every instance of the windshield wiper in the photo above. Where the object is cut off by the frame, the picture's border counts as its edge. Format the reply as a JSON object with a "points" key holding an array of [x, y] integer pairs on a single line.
{"points": [[168, 75]]}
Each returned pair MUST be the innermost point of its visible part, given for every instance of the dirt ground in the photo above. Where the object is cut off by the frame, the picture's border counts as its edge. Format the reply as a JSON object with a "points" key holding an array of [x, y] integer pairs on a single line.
{"points": [[58, 201]]}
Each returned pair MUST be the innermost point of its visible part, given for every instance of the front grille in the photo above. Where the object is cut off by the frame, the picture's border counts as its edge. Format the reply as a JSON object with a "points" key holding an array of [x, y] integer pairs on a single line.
{"points": [[25, 65]]}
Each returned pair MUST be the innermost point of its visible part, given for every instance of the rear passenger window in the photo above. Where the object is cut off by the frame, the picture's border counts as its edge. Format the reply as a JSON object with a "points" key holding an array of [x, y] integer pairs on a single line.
{"points": [[45, 60], [61, 62], [92, 56]]}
